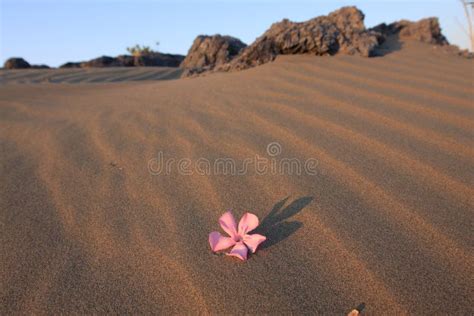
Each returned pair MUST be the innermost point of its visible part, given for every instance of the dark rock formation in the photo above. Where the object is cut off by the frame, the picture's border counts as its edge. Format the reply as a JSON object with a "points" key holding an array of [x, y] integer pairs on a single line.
{"points": [[16, 63], [151, 59], [40, 66], [426, 30], [20, 63], [103, 61], [207, 52], [342, 31], [126, 60], [71, 65], [158, 60]]}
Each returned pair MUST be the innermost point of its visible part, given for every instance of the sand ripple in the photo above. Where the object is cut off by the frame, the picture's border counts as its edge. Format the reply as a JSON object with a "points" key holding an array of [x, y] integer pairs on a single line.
{"points": [[387, 220]]}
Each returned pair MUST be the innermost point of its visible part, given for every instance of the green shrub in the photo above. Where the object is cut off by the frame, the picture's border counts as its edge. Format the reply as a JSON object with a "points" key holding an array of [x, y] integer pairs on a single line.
{"points": [[138, 50]]}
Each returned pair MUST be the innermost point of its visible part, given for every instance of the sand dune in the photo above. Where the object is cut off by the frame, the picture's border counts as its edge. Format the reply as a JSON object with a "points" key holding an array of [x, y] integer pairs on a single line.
{"points": [[88, 75], [387, 220]]}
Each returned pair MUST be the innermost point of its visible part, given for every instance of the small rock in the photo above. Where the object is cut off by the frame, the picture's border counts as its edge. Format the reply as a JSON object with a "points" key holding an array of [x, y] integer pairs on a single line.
{"points": [[426, 30], [207, 52], [156, 59], [71, 65], [115, 165], [103, 61], [16, 63], [40, 67]]}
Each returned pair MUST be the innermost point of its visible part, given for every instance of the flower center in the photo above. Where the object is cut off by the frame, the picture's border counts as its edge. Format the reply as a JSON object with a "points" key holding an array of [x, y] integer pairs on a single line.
{"points": [[238, 238]]}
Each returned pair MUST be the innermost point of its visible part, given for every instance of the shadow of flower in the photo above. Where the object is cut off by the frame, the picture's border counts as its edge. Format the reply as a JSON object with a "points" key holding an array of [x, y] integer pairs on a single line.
{"points": [[276, 226]]}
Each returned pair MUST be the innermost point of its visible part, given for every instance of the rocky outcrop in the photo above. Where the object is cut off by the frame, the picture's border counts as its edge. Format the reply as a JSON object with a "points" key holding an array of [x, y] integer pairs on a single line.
{"points": [[103, 61], [20, 63], [426, 30], [157, 59], [16, 63], [342, 31], [125, 61], [71, 65], [152, 59], [208, 52], [42, 66]]}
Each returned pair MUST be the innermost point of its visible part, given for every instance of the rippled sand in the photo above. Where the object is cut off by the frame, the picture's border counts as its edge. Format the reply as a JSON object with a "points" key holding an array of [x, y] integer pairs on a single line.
{"points": [[87, 75], [387, 220]]}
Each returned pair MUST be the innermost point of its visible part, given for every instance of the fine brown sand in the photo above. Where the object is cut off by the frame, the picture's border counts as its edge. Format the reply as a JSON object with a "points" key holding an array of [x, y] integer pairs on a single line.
{"points": [[88, 75], [387, 220]]}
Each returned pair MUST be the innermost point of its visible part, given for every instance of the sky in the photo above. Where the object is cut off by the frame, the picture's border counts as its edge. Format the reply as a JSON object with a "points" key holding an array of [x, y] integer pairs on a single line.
{"points": [[53, 32]]}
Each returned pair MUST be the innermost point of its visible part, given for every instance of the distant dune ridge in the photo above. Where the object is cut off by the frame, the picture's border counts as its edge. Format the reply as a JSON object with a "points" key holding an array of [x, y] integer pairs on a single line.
{"points": [[89, 75]]}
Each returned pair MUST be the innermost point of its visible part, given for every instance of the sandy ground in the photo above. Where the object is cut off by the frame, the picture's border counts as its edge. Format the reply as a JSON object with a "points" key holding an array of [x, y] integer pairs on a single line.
{"points": [[386, 220], [88, 75]]}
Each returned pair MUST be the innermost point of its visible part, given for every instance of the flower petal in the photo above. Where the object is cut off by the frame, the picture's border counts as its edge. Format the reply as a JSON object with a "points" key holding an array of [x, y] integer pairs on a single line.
{"points": [[252, 241], [227, 223], [247, 223], [239, 251], [219, 242]]}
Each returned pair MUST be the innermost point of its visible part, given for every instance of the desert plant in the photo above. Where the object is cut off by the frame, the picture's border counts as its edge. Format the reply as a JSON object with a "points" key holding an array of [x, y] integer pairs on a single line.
{"points": [[138, 50]]}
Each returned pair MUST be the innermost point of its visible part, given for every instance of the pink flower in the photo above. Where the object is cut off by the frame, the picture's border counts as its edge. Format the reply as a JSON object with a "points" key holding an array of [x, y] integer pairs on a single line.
{"points": [[239, 238]]}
